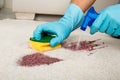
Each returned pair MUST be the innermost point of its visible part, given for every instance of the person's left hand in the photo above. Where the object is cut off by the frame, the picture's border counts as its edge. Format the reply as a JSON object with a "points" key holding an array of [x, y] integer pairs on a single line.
{"points": [[108, 21]]}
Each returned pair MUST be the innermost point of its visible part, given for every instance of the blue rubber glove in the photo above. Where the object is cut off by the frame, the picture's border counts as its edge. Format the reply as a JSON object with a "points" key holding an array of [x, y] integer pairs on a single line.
{"points": [[108, 21], [63, 27]]}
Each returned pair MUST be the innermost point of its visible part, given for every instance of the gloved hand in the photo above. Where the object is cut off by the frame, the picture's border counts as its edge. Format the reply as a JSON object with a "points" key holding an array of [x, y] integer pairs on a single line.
{"points": [[62, 28], [108, 21]]}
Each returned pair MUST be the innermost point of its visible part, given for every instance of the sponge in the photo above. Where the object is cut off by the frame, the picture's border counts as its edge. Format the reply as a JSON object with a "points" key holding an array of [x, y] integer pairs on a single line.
{"points": [[43, 44]]}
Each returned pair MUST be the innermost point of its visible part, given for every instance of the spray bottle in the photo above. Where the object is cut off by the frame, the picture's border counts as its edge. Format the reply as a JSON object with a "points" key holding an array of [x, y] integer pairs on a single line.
{"points": [[89, 18]]}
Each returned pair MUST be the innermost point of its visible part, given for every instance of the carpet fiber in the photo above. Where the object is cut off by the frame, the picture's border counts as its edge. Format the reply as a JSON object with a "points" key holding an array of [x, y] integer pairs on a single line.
{"points": [[103, 64]]}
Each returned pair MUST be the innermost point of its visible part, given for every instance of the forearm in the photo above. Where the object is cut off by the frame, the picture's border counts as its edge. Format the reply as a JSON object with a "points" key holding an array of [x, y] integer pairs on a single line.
{"points": [[83, 4]]}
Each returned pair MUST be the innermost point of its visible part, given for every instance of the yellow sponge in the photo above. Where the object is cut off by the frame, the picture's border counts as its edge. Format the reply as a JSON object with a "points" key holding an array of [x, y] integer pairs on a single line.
{"points": [[42, 46]]}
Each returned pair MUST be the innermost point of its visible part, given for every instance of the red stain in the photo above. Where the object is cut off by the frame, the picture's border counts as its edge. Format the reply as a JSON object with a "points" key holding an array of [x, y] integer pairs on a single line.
{"points": [[37, 59], [82, 45]]}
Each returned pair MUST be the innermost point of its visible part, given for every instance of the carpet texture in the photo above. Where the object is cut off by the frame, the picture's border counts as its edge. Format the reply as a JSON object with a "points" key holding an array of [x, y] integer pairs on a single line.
{"points": [[103, 64]]}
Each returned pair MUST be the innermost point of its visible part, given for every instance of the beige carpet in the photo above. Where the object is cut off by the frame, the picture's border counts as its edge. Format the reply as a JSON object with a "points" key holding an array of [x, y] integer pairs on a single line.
{"points": [[104, 64]]}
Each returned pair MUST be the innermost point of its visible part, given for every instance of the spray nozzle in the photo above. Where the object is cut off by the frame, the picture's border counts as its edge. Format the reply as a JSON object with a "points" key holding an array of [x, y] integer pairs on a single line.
{"points": [[89, 18]]}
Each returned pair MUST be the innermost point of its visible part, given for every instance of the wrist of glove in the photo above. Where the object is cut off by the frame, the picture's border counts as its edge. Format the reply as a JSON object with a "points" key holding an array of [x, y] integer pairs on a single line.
{"points": [[74, 16], [108, 21]]}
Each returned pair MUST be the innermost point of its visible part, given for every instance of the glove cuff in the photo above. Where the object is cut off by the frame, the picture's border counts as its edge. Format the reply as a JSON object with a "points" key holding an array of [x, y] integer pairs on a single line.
{"points": [[73, 16]]}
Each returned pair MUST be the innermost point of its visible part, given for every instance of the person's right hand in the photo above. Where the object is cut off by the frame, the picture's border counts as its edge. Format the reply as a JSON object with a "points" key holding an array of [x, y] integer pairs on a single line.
{"points": [[62, 28]]}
